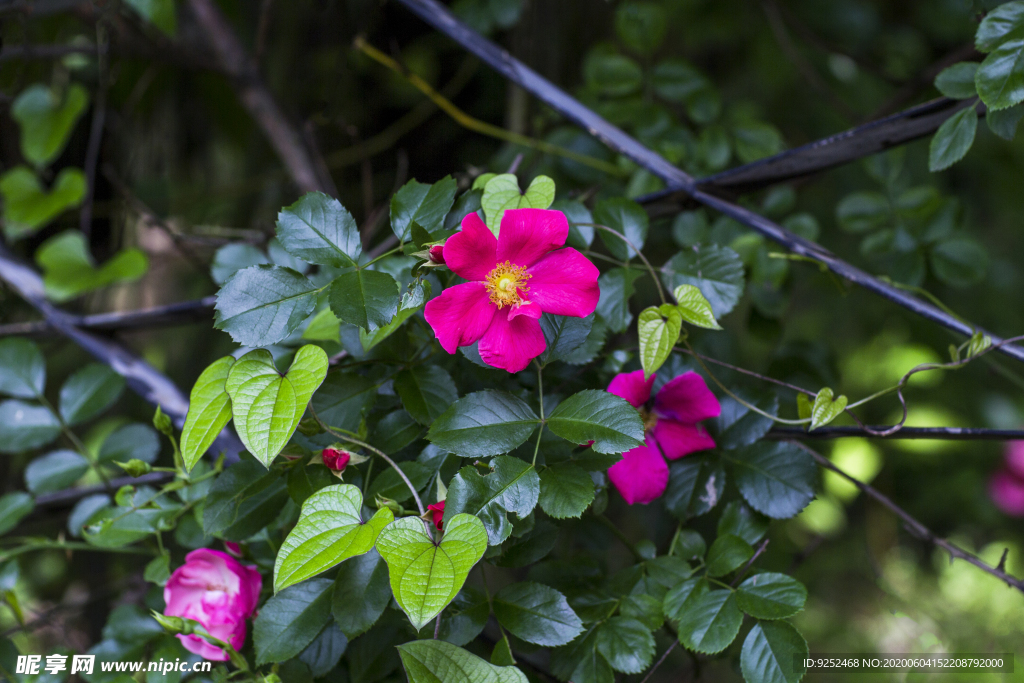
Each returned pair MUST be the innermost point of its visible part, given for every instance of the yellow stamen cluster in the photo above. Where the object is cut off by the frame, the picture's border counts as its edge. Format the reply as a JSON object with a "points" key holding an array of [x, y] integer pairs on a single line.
{"points": [[505, 284]]}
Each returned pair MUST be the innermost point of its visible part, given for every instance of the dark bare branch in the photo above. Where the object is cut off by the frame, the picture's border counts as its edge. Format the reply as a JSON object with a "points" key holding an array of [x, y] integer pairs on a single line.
{"points": [[147, 318], [937, 433]]}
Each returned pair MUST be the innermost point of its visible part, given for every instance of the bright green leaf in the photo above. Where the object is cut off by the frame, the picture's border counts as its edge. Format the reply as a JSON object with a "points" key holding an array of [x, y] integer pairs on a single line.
{"points": [[658, 335], [694, 308], [28, 206], [436, 661], [826, 408], [47, 118], [209, 410], [502, 193], [69, 270]]}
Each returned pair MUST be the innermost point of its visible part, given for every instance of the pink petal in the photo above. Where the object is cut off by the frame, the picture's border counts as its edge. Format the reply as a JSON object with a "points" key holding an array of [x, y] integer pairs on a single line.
{"points": [[512, 344], [687, 399], [677, 439], [1007, 492], [470, 253], [1015, 457], [564, 283], [633, 387], [527, 308], [461, 315], [528, 234], [642, 474]]}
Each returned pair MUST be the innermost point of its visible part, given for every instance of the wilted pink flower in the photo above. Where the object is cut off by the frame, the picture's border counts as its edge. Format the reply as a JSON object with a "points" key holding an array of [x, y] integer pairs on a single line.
{"points": [[335, 459], [512, 280], [670, 428], [214, 589], [1006, 487], [438, 510], [436, 253]]}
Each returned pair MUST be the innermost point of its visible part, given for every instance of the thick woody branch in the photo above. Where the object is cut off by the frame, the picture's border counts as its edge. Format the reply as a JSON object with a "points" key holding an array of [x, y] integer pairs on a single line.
{"points": [[146, 318], [937, 433]]}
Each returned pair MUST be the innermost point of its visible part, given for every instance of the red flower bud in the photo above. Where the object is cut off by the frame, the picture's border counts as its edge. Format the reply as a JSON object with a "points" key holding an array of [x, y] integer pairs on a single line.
{"points": [[438, 510], [437, 253], [334, 459]]}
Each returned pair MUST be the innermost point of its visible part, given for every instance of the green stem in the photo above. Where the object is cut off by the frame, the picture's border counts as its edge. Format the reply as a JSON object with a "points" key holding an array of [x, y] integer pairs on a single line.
{"points": [[385, 254], [650, 268], [540, 398]]}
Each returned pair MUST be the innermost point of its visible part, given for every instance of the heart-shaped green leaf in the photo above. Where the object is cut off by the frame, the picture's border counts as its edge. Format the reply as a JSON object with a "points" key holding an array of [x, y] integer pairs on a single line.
{"points": [[28, 206], [209, 409], [502, 193], [46, 119], [425, 576], [267, 407], [694, 308], [658, 334], [70, 271], [330, 530], [825, 408]]}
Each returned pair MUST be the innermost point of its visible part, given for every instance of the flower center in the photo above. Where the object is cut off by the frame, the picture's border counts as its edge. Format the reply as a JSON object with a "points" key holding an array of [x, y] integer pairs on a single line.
{"points": [[649, 419], [505, 284]]}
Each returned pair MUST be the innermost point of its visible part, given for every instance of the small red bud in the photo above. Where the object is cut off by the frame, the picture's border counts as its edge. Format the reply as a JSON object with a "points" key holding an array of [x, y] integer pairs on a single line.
{"points": [[438, 510], [437, 253], [334, 459]]}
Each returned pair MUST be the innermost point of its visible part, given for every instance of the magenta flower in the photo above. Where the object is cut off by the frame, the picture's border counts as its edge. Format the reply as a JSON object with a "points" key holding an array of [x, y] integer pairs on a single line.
{"points": [[670, 428], [512, 280], [1006, 487], [220, 593], [437, 513]]}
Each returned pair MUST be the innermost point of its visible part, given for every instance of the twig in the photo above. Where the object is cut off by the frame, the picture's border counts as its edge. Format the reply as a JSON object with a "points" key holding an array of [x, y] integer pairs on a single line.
{"points": [[913, 526], [746, 567], [48, 51], [938, 433], [145, 318], [661, 660]]}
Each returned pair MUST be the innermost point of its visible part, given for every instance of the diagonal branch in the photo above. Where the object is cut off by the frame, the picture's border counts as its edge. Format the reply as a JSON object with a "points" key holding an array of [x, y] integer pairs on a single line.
{"points": [[936, 433], [145, 318], [915, 527], [443, 20]]}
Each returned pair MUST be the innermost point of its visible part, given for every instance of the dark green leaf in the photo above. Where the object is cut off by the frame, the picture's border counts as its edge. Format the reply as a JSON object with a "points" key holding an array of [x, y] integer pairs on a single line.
{"points": [[22, 368], [55, 471], [13, 508], [318, 229], [520, 552], [612, 74], [695, 485], [290, 620], [390, 485], [89, 392], [324, 653], [716, 271], [616, 289], [261, 305], [954, 138], [626, 643], [1000, 78], [727, 553], [739, 520], [756, 140], [773, 652], [565, 490], [424, 205], [626, 218], [512, 486], [738, 425], [343, 399], [862, 212], [644, 608], [132, 441], [367, 298], [361, 593], [160, 13], [594, 415], [959, 261], [1002, 122], [426, 391], [641, 26], [482, 424], [771, 596], [676, 80], [581, 234], [776, 479], [537, 614], [564, 335], [957, 81], [232, 258], [24, 426], [395, 431], [689, 544], [243, 500], [682, 596], [711, 622]]}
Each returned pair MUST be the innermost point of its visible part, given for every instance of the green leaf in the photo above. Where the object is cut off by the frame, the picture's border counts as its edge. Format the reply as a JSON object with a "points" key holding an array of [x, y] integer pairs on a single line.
{"points": [[89, 392], [711, 622], [953, 139], [771, 596], [361, 593], [28, 206], [616, 288], [756, 140], [626, 643], [55, 471], [565, 490], [658, 335], [537, 614], [267, 407], [690, 545], [13, 508], [395, 431], [716, 271], [581, 233], [511, 486], [232, 258], [1000, 78], [564, 335], [435, 661], [209, 410], [243, 499], [959, 261], [482, 424], [411, 302], [389, 485], [47, 118], [329, 531], [290, 620], [326, 650], [367, 298], [694, 308], [1005, 22], [776, 479], [862, 212], [426, 577], [318, 229], [612, 74], [594, 415], [737, 425], [739, 520], [676, 80], [24, 426], [22, 368], [424, 205], [343, 399], [1002, 122], [773, 652], [826, 408], [957, 81], [727, 553], [324, 326], [628, 219], [695, 486], [502, 193], [641, 26], [261, 305], [680, 598], [132, 441], [531, 548], [426, 391], [160, 13], [464, 619], [644, 608], [69, 270]]}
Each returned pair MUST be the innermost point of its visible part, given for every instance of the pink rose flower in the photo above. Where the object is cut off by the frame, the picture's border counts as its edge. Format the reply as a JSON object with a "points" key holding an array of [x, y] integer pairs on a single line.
{"points": [[670, 428], [512, 280], [214, 589], [1015, 458], [335, 459], [1006, 487], [436, 253], [437, 509]]}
